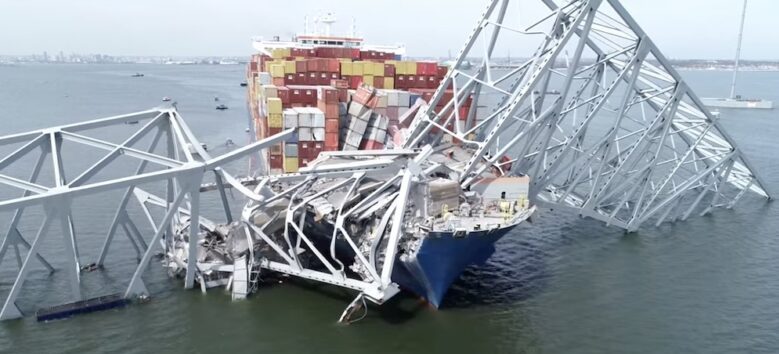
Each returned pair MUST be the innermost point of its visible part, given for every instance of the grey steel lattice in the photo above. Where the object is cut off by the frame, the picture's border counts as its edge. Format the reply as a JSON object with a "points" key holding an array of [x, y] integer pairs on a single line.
{"points": [[597, 117]]}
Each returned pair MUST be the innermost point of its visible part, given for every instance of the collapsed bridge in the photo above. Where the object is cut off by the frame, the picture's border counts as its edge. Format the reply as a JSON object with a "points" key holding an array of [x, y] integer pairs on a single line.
{"points": [[597, 118]]}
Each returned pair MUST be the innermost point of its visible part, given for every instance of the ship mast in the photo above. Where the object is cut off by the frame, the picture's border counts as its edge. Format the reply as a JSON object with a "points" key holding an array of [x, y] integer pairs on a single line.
{"points": [[738, 52]]}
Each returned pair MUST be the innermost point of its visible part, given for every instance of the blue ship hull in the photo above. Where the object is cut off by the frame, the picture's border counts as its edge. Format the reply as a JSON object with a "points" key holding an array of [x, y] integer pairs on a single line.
{"points": [[442, 258]]}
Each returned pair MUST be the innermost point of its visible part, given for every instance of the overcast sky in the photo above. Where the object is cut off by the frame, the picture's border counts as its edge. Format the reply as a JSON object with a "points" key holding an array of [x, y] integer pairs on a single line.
{"points": [[704, 29]]}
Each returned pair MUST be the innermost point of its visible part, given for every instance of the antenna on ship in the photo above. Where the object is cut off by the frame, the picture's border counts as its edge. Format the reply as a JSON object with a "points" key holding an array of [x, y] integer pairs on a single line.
{"points": [[305, 24], [328, 20], [738, 52], [354, 27]]}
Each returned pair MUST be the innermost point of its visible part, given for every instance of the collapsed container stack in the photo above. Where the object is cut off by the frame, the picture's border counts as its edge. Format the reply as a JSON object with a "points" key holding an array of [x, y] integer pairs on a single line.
{"points": [[336, 98]]}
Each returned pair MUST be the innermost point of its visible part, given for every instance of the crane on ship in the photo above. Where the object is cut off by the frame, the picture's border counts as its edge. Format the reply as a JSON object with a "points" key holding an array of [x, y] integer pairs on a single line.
{"points": [[624, 141]]}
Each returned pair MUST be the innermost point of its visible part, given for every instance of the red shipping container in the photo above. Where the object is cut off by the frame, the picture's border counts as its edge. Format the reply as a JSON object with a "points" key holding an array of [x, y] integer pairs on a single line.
{"points": [[343, 94], [300, 79], [276, 161], [312, 78], [331, 95], [442, 71], [332, 125], [364, 95], [463, 112], [378, 82], [354, 82], [283, 93], [253, 67], [324, 79], [400, 82], [273, 131], [372, 145], [389, 70], [355, 53], [304, 149], [339, 84], [300, 66], [333, 66], [433, 82], [329, 109], [331, 141], [302, 162], [421, 82]]}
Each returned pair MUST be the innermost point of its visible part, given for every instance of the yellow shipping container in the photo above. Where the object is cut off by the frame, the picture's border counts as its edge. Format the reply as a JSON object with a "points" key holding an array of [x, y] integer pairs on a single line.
{"points": [[277, 70], [275, 120], [411, 67], [358, 68], [378, 69], [367, 79], [389, 83], [279, 53], [347, 68], [291, 164], [274, 106], [290, 67]]}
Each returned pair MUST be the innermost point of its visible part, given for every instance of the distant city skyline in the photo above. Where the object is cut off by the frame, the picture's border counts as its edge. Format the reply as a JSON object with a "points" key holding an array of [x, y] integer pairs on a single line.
{"points": [[689, 29]]}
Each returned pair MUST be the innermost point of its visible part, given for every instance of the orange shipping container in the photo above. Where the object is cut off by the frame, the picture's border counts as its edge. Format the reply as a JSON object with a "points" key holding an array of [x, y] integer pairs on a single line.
{"points": [[332, 125], [331, 141]]}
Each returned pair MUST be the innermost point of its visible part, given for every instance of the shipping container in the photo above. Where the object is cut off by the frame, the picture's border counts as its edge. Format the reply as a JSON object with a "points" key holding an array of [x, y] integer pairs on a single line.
{"points": [[274, 105], [291, 165], [332, 125]]}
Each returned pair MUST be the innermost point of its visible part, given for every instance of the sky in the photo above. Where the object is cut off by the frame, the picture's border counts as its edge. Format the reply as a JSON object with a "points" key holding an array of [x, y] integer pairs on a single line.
{"points": [[683, 29]]}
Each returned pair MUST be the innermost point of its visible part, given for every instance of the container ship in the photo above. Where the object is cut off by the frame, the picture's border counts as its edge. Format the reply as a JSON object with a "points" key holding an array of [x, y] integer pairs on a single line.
{"points": [[340, 94]]}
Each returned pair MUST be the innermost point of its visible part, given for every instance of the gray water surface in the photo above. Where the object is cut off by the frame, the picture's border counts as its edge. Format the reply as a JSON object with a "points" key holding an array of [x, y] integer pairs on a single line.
{"points": [[561, 284]]}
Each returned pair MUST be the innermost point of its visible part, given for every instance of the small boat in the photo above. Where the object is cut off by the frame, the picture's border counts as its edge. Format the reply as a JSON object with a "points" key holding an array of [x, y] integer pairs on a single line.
{"points": [[166, 99], [221, 107], [244, 84], [137, 75], [131, 122]]}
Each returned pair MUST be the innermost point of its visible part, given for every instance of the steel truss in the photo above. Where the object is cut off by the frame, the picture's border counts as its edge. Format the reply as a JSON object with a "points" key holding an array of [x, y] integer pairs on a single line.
{"points": [[597, 117], [180, 169]]}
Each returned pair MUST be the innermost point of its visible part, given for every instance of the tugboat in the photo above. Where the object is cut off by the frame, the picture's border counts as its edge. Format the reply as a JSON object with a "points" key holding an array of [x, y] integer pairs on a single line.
{"points": [[221, 107]]}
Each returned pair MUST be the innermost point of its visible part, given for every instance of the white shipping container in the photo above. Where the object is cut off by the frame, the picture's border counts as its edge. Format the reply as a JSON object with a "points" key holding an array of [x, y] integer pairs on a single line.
{"points": [[383, 123], [318, 118], [382, 101], [358, 125], [304, 117], [392, 98], [381, 136], [356, 109], [265, 78], [353, 139], [319, 134], [304, 134], [404, 99], [290, 118], [348, 147]]}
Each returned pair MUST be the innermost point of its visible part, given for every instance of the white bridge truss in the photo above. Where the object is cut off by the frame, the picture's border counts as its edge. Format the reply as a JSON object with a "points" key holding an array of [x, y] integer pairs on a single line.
{"points": [[597, 117], [181, 169]]}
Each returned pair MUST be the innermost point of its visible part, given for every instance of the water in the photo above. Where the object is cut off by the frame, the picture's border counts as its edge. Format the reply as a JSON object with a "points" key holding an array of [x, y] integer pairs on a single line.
{"points": [[562, 284]]}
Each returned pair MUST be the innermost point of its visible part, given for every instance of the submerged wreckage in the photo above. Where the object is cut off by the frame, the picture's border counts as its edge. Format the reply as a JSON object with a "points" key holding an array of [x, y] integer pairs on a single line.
{"points": [[612, 133]]}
